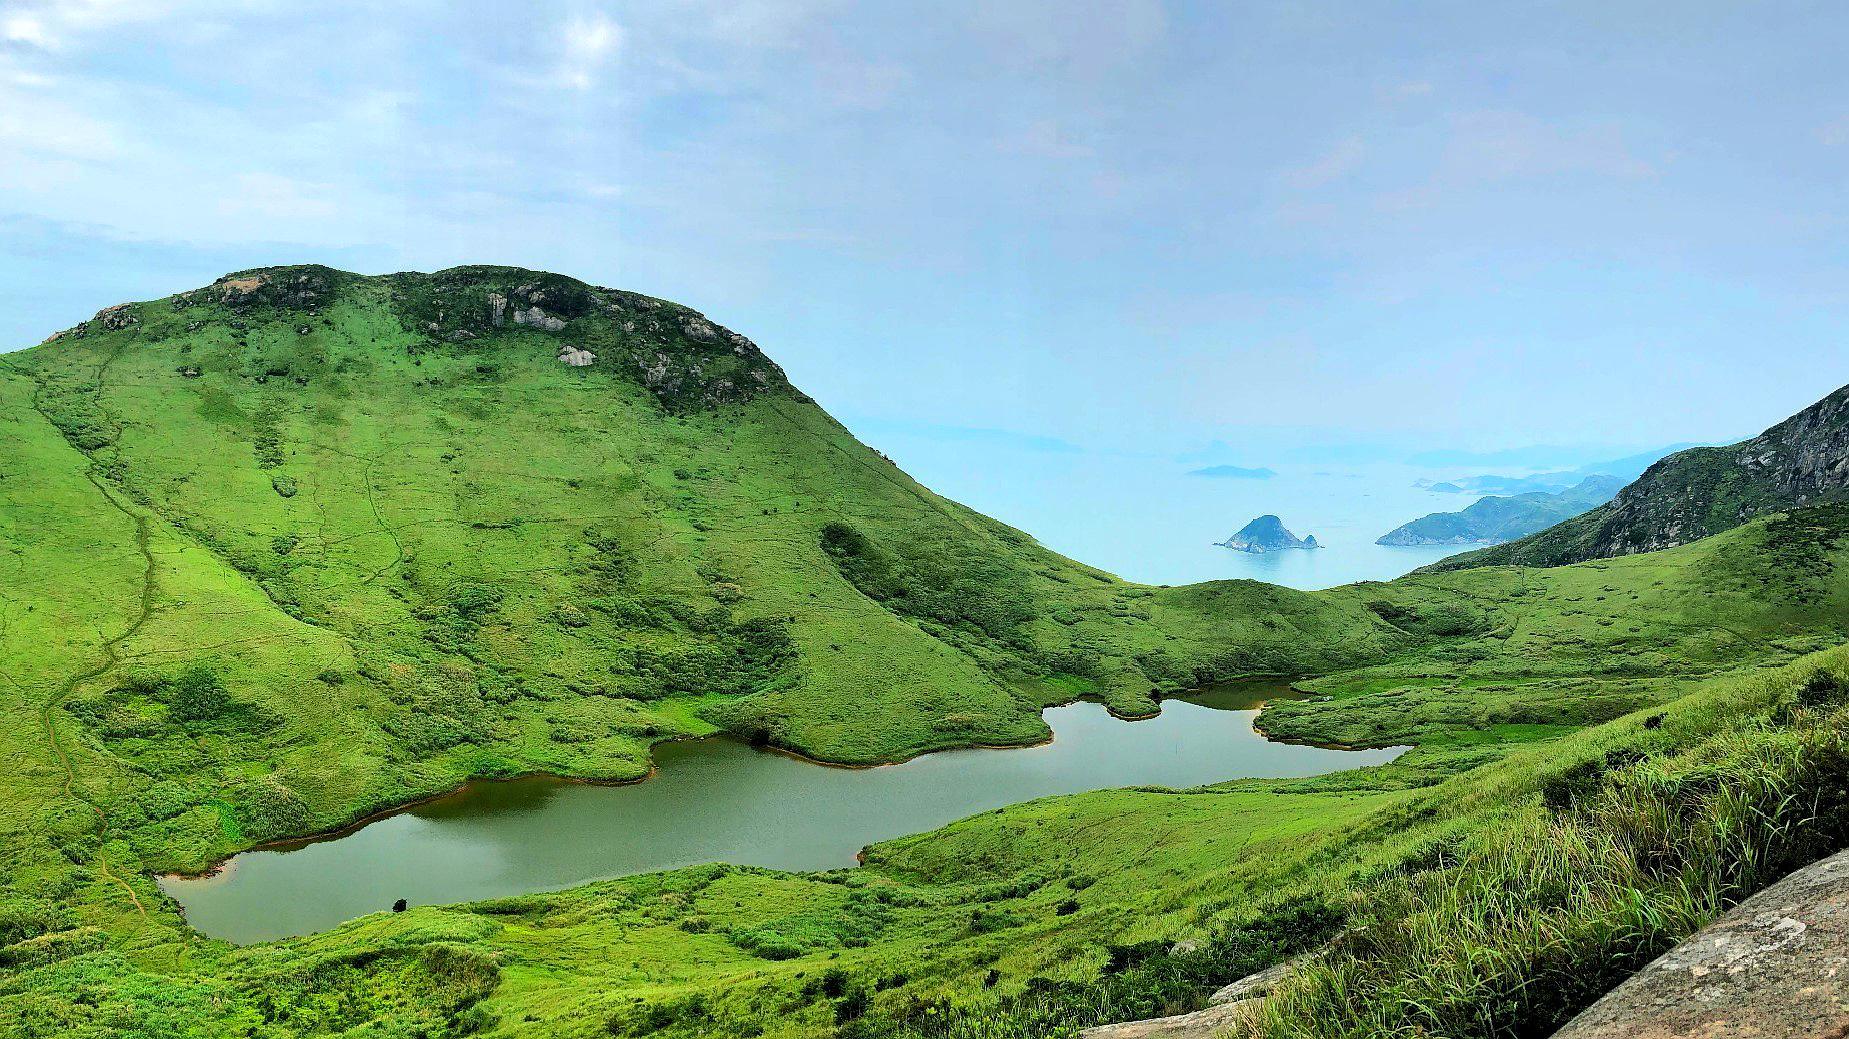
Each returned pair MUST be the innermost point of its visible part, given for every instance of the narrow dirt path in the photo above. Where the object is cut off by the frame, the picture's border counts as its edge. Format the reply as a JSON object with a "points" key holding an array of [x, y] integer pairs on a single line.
{"points": [[111, 656], [110, 647]]}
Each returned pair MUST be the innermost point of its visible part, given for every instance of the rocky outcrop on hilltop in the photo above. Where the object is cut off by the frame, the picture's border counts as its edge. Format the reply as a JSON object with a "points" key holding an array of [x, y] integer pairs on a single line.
{"points": [[108, 319], [1691, 494], [305, 288], [685, 360], [678, 355]]}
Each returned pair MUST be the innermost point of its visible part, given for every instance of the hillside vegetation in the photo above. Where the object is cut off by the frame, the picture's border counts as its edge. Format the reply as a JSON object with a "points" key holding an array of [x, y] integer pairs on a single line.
{"points": [[301, 545]]}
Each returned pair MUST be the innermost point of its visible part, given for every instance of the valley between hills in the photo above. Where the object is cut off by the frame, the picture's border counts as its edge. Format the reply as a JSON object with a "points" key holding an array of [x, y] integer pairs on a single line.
{"points": [[300, 546]]}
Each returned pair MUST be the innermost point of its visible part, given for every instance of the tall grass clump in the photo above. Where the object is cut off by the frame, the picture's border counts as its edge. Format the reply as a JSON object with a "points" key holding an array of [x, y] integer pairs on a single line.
{"points": [[1525, 923]]}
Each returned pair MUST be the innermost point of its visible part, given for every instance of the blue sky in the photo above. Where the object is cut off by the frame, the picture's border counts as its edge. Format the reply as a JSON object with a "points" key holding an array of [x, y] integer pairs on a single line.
{"points": [[1130, 226]]}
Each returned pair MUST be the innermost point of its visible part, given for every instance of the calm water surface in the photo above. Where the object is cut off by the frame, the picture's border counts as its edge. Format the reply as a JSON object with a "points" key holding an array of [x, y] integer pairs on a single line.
{"points": [[1146, 519], [719, 800]]}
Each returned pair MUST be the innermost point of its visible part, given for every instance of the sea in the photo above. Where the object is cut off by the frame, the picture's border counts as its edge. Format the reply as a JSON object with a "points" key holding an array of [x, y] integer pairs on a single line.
{"points": [[1147, 517]]}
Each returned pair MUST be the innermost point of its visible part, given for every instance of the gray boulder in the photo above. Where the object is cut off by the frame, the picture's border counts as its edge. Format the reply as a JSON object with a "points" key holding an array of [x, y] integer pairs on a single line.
{"points": [[1775, 967]]}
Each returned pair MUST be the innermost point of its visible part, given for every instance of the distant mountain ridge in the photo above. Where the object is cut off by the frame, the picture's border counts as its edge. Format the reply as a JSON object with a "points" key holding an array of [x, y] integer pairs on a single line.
{"points": [[1692, 494], [1626, 469], [1494, 520]]}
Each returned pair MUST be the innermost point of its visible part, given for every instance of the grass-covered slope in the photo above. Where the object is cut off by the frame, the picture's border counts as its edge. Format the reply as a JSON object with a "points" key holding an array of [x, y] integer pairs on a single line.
{"points": [[382, 516], [1691, 494], [300, 545], [1493, 903]]}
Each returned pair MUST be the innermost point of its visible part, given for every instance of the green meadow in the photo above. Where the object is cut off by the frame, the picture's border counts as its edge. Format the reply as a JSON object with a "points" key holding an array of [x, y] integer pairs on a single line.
{"points": [[301, 546]]}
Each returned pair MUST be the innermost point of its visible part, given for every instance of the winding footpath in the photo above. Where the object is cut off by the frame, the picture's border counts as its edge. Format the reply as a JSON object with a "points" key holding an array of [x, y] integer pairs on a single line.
{"points": [[48, 711], [111, 656]]}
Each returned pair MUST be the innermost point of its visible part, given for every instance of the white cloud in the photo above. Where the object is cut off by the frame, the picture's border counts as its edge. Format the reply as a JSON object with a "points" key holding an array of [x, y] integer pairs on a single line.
{"points": [[38, 125], [277, 198], [756, 23], [589, 42], [25, 28], [53, 24]]}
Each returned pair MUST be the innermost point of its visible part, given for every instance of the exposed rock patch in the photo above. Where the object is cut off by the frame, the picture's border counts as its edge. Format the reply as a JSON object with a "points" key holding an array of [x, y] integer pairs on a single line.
{"points": [[117, 317], [681, 357], [108, 319], [1253, 986], [1226, 1010], [1210, 1023], [1776, 967], [304, 288]]}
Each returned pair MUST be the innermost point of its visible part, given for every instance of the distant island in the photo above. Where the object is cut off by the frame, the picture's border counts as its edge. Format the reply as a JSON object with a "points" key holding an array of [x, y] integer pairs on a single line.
{"points": [[1267, 534], [1233, 472], [1493, 521]]}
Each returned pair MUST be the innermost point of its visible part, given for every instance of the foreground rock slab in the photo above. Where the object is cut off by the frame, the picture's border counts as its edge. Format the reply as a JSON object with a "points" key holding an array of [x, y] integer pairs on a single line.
{"points": [[1202, 1024], [1775, 967], [1231, 1006], [1253, 986]]}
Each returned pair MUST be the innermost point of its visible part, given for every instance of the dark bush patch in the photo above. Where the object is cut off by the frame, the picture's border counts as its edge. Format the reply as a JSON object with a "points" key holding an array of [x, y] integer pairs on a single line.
{"points": [[198, 695], [1561, 791], [953, 584], [1824, 689]]}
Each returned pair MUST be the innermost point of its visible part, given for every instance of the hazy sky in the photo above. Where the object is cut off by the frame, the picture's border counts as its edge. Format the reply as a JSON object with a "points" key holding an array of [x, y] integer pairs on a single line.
{"points": [[1122, 224]]}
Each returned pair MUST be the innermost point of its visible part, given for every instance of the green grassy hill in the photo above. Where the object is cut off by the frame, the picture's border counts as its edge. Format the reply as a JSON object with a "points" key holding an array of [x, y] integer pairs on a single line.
{"points": [[301, 545], [383, 520], [1691, 494]]}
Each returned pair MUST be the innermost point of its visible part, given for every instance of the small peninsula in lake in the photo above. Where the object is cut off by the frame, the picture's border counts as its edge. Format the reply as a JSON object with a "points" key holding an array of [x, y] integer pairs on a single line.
{"points": [[1267, 534]]}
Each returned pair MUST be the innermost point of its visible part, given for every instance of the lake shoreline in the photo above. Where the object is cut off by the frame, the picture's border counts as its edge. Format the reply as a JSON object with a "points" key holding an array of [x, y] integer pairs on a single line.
{"points": [[226, 865]]}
